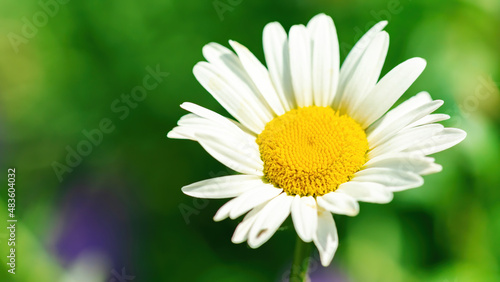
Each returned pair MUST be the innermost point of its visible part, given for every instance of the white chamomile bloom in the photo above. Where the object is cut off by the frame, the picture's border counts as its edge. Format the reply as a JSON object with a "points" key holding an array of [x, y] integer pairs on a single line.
{"points": [[311, 138]]}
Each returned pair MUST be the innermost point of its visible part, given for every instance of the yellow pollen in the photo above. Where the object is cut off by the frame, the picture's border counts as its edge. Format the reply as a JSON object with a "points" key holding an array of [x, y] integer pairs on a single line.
{"points": [[311, 151]]}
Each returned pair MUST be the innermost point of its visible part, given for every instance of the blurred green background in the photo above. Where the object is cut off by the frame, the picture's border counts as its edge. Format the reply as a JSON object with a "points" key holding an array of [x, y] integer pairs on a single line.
{"points": [[119, 213]]}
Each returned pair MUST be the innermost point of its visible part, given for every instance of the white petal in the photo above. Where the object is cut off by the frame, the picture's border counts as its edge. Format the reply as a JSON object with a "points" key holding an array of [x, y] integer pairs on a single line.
{"points": [[223, 212], [192, 119], [181, 133], [393, 180], [260, 76], [224, 139], [326, 238], [188, 126], [269, 220], [206, 113], [366, 191], [300, 65], [204, 120], [228, 63], [278, 63], [253, 198], [443, 140], [393, 123], [388, 90], [191, 124], [241, 232], [222, 187], [405, 139], [236, 97], [239, 154], [232, 69], [412, 162], [339, 203], [365, 75], [414, 102], [225, 60], [352, 59], [434, 168], [325, 59], [430, 119], [304, 216]]}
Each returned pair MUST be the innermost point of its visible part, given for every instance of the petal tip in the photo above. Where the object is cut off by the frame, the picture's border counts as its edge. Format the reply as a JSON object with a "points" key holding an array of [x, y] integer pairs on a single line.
{"points": [[218, 218], [185, 105], [382, 24], [236, 240], [421, 62], [171, 134], [353, 212], [197, 67], [186, 190], [462, 134]]}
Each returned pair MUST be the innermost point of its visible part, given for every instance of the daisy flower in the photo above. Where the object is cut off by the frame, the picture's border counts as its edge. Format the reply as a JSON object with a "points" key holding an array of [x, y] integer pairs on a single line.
{"points": [[310, 137]]}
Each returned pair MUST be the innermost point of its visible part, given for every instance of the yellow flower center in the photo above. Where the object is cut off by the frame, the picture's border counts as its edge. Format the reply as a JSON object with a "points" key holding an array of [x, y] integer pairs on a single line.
{"points": [[311, 151]]}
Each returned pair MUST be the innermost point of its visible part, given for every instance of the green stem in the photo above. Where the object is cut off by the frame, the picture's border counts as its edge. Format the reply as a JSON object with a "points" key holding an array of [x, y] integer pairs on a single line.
{"points": [[300, 264]]}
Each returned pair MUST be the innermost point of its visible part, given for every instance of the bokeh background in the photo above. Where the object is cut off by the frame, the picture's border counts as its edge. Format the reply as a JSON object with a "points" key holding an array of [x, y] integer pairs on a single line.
{"points": [[118, 212]]}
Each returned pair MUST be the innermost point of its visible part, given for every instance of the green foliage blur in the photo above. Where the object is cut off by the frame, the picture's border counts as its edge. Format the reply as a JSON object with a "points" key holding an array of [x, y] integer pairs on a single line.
{"points": [[120, 208]]}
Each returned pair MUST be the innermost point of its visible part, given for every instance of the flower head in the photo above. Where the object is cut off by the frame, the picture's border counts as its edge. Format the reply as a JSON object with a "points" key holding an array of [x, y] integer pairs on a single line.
{"points": [[311, 138]]}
